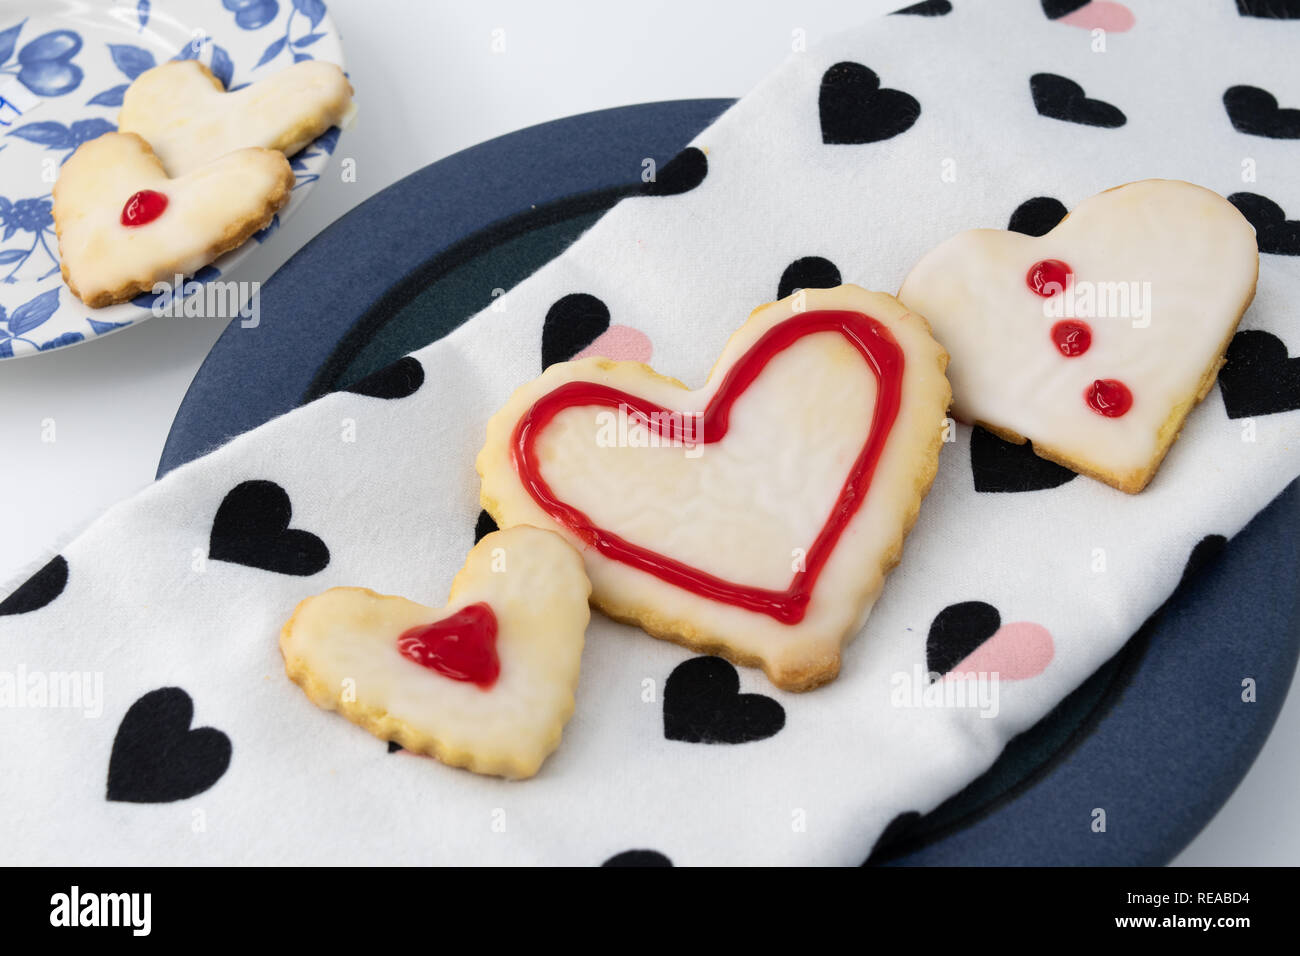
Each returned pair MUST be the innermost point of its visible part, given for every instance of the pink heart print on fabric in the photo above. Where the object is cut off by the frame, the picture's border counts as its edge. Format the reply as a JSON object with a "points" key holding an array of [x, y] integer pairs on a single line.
{"points": [[621, 343], [1016, 651], [1101, 15]]}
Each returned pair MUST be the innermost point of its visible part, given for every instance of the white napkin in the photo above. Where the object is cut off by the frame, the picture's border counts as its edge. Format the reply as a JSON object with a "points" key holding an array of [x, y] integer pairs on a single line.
{"points": [[144, 607]]}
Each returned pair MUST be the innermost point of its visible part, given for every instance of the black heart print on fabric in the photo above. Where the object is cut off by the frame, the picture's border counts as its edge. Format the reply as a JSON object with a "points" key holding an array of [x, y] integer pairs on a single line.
{"points": [[397, 380], [703, 705], [157, 758], [572, 323], [957, 630], [928, 8], [485, 525], [810, 272], [1270, 9], [1206, 552], [638, 858], [679, 175], [252, 528], [1037, 216], [1001, 466], [890, 837], [855, 109], [1258, 377], [1274, 232], [1055, 9], [1256, 112], [1062, 99], [38, 590]]}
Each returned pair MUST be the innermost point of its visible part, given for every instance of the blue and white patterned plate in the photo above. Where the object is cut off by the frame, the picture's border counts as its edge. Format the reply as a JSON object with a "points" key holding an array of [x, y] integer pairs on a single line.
{"points": [[64, 67]]}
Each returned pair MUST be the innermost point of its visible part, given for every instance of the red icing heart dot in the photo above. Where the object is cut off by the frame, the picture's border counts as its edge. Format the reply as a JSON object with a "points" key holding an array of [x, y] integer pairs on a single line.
{"points": [[1048, 277], [1072, 337], [1109, 397], [143, 207], [462, 646]]}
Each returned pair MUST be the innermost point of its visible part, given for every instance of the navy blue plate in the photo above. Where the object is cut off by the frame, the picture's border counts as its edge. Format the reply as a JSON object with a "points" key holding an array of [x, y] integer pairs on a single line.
{"points": [[1159, 736]]}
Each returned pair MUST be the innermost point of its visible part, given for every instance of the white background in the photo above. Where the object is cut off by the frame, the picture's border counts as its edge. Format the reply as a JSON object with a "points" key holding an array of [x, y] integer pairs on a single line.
{"points": [[429, 84]]}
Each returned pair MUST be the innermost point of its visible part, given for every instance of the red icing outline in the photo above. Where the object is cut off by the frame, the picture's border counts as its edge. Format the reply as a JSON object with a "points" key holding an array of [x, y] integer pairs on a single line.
{"points": [[884, 357]]}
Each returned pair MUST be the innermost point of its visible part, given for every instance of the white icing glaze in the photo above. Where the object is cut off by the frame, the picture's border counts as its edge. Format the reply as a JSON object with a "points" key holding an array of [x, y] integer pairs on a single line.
{"points": [[742, 506], [539, 596], [1196, 251], [204, 208], [184, 113]]}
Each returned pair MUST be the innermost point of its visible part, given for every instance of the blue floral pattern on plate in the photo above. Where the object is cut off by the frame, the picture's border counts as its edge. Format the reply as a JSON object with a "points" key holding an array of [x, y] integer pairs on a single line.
{"points": [[65, 66], [45, 63]]}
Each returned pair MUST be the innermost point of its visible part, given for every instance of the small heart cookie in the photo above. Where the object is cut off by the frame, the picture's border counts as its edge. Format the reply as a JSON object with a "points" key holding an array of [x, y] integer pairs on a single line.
{"points": [[486, 682], [123, 225], [757, 516], [1095, 340], [189, 119]]}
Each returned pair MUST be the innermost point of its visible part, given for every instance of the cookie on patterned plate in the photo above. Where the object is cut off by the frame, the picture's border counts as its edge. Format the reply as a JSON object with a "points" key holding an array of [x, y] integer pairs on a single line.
{"points": [[123, 225], [189, 119]]}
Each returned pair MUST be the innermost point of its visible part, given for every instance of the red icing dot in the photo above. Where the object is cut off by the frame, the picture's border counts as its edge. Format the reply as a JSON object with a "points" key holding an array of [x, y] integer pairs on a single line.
{"points": [[462, 646], [1048, 277], [1072, 337], [143, 207], [1109, 397]]}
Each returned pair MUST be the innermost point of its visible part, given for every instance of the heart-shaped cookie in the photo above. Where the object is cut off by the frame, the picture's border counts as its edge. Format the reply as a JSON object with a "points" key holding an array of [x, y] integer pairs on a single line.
{"points": [[485, 683], [124, 225], [189, 119], [754, 517], [1095, 340]]}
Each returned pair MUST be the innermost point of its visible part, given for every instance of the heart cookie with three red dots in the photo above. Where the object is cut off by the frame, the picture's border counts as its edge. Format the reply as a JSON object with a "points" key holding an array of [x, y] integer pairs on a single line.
{"points": [[1095, 340], [754, 517], [485, 683], [123, 225], [189, 119]]}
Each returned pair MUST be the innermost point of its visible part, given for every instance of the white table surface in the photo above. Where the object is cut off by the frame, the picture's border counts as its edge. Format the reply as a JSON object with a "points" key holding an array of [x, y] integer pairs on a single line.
{"points": [[429, 84]]}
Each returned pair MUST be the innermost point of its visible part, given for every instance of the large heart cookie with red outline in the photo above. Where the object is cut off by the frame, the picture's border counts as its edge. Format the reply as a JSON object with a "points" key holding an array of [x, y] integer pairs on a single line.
{"points": [[123, 225], [485, 683], [1097, 339], [754, 517], [189, 119]]}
